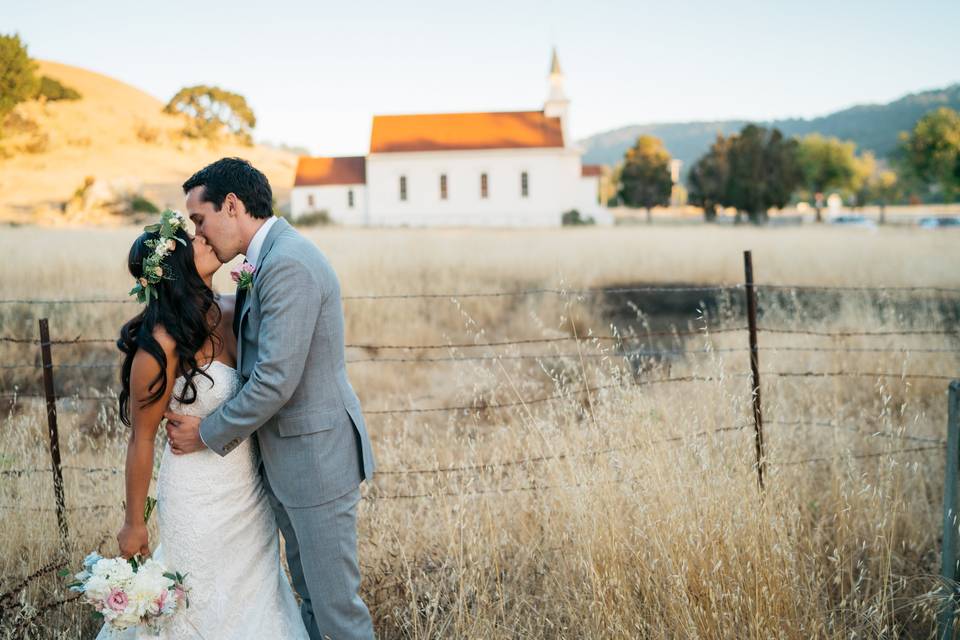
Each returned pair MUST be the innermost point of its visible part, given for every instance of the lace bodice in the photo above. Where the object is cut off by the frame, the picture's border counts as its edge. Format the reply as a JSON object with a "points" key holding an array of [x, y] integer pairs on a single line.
{"points": [[210, 395]]}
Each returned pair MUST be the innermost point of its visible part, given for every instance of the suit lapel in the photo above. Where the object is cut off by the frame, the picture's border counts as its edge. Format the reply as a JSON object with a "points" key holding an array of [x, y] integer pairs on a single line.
{"points": [[278, 227]]}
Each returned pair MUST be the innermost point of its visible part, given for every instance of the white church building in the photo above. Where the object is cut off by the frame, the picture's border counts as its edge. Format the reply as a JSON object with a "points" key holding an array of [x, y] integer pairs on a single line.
{"points": [[504, 169]]}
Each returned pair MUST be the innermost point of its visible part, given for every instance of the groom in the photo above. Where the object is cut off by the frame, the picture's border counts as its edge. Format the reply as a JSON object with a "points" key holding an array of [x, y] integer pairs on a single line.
{"points": [[296, 399]]}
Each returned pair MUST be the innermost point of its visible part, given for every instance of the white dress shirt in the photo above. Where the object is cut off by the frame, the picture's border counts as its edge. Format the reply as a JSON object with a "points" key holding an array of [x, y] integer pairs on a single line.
{"points": [[256, 243]]}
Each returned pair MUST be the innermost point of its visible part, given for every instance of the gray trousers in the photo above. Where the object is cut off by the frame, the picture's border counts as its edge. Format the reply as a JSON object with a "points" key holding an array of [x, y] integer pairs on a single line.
{"points": [[321, 546]]}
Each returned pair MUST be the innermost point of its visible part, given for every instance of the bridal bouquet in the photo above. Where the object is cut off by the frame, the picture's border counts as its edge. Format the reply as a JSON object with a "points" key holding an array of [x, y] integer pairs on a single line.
{"points": [[127, 593]]}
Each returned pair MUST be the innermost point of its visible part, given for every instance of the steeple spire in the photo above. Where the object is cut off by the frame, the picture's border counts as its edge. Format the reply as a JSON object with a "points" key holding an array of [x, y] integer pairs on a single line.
{"points": [[557, 104]]}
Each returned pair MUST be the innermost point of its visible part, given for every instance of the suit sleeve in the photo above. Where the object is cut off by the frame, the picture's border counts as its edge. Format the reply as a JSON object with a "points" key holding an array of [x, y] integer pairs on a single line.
{"points": [[290, 299]]}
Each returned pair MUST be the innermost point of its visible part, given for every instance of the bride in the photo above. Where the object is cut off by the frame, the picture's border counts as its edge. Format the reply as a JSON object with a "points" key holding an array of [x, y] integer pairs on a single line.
{"points": [[215, 521]]}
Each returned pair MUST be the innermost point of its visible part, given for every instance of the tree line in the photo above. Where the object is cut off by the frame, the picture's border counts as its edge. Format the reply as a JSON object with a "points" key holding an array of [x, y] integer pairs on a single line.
{"points": [[759, 169]]}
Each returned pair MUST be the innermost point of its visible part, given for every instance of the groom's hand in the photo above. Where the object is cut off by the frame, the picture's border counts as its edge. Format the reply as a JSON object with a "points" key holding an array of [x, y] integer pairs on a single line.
{"points": [[183, 433]]}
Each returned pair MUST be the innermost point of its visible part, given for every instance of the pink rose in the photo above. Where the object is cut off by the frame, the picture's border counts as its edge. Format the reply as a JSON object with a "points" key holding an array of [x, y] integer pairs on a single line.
{"points": [[161, 600], [179, 593], [117, 600], [236, 272]]}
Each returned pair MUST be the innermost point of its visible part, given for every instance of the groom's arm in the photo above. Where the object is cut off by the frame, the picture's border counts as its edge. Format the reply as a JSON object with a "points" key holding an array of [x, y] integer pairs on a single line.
{"points": [[289, 308]]}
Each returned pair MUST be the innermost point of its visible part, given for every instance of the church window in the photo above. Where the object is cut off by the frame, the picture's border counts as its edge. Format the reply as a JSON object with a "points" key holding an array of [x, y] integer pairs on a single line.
{"points": [[524, 185], [403, 188], [443, 186], [350, 198], [484, 186], [310, 201]]}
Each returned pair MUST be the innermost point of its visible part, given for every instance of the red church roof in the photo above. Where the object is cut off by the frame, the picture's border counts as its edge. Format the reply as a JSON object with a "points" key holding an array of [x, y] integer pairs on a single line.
{"points": [[591, 170], [325, 171], [465, 131]]}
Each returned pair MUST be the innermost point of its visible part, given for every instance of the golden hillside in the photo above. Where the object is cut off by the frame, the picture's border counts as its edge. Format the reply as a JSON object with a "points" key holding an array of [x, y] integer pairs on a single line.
{"points": [[117, 134]]}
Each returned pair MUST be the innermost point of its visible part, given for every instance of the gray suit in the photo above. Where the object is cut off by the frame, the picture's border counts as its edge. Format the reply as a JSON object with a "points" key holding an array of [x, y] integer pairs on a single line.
{"points": [[297, 402]]}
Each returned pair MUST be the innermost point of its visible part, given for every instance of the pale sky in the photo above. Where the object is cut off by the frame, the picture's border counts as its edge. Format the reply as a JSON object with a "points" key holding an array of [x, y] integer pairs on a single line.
{"points": [[316, 72]]}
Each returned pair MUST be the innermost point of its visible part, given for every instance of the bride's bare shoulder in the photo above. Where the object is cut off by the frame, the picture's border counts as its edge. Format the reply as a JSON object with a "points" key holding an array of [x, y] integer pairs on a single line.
{"points": [[164, 339]]}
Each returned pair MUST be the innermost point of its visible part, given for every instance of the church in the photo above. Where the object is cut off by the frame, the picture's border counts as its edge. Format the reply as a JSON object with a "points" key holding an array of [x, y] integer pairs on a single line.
{"points": [[500, 169]]}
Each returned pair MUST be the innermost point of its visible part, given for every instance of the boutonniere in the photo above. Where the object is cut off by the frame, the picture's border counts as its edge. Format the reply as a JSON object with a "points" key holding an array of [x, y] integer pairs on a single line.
{"points": [[243, 276]]}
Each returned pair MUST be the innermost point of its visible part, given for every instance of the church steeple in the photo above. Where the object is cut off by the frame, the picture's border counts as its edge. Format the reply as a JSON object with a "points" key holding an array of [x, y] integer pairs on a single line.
{"points": [[557, 104]]}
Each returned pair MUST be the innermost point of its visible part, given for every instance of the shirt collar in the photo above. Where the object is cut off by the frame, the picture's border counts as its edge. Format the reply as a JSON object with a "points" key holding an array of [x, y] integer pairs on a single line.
{"points": [[253, 251]]}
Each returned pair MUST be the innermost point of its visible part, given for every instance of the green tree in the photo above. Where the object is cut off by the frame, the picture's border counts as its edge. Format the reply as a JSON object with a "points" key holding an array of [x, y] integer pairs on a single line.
{"points": [[932, 151], [763, 171], [645, 176], [826, 163], [876, 183], [212, 111], [864, 169], [18, 81], [885, 188], [708, 178]]}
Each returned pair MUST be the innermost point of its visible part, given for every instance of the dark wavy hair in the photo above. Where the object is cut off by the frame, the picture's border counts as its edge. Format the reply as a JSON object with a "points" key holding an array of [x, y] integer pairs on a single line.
{"points": [[181, 307], [236, 176]]}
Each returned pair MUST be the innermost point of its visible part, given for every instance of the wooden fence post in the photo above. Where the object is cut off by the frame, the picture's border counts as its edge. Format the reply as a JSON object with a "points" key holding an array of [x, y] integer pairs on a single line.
{"points": [[754, 363], [52, 427], [948, 565]]}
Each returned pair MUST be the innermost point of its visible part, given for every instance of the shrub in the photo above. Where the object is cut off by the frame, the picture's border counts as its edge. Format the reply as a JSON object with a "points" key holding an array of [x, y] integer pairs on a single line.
{"points": [[53, 89], [140, 204], [573, 218], [313, 219], [38, 143], [146, 133]]}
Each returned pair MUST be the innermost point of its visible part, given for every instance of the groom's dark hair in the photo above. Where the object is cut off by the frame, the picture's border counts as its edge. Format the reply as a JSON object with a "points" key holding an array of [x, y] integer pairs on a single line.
{"points": [[237, 176]]}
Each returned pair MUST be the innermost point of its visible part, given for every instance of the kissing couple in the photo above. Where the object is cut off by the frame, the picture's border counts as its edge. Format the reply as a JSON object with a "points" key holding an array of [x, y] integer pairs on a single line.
{"points": [[264, 431]]}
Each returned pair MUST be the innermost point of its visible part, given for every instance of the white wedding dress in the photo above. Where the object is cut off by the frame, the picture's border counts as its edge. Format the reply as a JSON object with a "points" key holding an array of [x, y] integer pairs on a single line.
{"points": [[217, 527]]}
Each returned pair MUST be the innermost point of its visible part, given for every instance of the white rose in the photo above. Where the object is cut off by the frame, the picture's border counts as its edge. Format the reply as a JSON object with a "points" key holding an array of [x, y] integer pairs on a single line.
{"points": [[97, 588], [115, 570]]}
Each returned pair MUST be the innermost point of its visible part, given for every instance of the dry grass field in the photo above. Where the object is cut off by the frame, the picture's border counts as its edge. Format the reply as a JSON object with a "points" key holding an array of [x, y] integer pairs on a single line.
{"points": [[579, 495]]}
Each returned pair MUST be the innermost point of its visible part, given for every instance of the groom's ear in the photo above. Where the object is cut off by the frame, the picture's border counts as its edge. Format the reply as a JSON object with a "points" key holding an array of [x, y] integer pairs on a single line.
{"points": [[233, 205]]}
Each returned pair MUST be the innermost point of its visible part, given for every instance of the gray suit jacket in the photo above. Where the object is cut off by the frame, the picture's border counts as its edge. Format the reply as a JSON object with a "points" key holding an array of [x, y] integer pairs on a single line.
{"points": [[296, 397]]}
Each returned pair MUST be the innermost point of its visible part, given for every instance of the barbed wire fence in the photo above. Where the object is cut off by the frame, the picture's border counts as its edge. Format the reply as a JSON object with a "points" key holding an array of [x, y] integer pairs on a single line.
{"points": [[912, 444]]}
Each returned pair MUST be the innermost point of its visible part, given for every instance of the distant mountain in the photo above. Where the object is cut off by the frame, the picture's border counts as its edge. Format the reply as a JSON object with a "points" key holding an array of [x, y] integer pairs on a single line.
{"points": [[873, 127]]}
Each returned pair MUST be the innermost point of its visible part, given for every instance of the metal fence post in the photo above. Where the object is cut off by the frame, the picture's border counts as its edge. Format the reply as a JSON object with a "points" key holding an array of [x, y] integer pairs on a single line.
{"points": [[949, 567], [754, 363], [52, 427]]}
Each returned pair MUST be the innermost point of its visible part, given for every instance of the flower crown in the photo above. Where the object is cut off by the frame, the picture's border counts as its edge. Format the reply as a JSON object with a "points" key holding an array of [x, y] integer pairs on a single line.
{"points": [[170, 222]]}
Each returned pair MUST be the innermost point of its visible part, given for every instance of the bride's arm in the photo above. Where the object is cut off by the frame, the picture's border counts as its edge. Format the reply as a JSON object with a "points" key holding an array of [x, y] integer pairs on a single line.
{"points": [[132, 538]]}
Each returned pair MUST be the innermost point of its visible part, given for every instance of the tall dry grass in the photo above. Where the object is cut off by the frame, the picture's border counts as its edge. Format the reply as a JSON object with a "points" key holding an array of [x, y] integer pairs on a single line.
{"points": [[630, 510]]}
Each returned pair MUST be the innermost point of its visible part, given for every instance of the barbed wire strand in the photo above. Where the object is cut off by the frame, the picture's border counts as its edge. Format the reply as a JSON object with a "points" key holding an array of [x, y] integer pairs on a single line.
{"points": [[872, 454], [458, 345], [834, 425]]}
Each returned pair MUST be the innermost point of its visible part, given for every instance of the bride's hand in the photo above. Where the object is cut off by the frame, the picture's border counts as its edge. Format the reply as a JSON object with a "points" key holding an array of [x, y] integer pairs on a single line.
{"points": [[133, 540]]}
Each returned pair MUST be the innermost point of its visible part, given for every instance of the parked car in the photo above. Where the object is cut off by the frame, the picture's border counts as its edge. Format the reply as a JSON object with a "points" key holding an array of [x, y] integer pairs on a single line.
{"points": [[851, 220], [938, 222]]}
